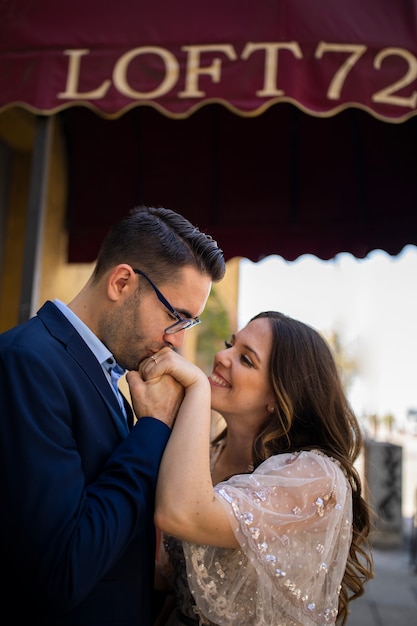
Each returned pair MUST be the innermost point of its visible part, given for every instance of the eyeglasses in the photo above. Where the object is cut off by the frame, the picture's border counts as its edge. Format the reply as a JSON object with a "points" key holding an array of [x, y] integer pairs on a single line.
{"points": [[183, 322]]}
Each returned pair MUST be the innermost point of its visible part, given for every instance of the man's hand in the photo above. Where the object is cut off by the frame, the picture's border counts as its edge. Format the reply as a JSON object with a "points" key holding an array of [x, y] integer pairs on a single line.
{"points": [[158, 397]]}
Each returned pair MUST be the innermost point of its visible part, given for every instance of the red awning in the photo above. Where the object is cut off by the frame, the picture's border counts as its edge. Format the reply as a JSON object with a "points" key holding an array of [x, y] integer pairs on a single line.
{"points": [[279, 126], [281, 183], [322, 56]]}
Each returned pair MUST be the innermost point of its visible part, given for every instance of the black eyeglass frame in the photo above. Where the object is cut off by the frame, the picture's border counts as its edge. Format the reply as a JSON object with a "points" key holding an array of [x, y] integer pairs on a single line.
{"points": [[183, 323]]}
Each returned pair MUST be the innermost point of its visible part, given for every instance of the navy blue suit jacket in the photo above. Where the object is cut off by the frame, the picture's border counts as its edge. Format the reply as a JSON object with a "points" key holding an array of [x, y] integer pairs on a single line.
{"points": [[77, 498]]}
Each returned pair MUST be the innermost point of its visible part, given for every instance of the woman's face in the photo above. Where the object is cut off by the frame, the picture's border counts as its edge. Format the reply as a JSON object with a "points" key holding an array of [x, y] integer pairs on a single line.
{"points": [[240, 380]]}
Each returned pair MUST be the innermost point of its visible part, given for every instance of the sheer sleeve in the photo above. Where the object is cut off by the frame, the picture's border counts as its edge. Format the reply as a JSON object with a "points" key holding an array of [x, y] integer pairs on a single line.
{"points": [[292, 518]]}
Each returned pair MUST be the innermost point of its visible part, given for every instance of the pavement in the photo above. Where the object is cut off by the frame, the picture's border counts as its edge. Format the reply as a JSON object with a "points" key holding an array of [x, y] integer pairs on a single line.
{"points": [[390, 599]]}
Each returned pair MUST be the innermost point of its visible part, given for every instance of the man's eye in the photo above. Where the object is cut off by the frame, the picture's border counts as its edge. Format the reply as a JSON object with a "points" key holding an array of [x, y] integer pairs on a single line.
{"points": [[227, 344], [173, 317]]}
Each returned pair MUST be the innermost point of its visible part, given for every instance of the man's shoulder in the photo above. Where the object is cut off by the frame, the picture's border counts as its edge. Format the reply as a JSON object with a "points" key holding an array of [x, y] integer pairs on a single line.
{"points": [[35, 333]]}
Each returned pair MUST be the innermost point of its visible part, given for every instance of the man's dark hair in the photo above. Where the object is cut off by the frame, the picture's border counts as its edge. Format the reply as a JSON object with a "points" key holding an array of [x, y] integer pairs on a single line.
{"points": [[159, 241]]}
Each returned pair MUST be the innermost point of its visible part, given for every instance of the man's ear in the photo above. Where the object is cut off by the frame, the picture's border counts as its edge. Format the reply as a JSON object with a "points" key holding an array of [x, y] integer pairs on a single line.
{"points": [[120, 278]]}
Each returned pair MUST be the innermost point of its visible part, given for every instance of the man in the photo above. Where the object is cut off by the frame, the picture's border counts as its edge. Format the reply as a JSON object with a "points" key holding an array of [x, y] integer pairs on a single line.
{"points": [[77, 478]]}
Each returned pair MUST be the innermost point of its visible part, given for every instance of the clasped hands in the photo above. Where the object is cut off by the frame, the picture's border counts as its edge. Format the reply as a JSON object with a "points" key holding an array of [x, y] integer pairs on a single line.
{"points": [[158, 388]]}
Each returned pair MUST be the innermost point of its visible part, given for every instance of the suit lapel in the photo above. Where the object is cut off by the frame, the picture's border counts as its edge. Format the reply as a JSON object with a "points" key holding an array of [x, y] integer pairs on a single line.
{"points": [[61, 329]]}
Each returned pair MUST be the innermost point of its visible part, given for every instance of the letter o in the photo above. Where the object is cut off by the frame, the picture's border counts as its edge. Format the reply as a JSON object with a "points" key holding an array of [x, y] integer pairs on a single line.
{"points": [[172, 71]]}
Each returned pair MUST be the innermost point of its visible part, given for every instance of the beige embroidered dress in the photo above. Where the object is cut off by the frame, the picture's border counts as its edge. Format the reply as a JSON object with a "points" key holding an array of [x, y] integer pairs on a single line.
{"points": [[292, 517]]}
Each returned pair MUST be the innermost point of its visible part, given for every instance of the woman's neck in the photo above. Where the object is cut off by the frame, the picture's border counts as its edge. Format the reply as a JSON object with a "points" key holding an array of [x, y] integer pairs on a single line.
{"points": [[235, 458]]}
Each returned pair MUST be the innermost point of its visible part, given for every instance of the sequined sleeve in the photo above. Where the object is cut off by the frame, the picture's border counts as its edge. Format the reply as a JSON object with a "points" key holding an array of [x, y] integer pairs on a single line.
{"points": [[292, 518]]}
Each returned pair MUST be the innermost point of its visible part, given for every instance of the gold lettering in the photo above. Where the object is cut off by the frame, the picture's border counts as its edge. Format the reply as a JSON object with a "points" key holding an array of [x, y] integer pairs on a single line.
{"points": [[272, 49], [172, 71], [355, 52], [387, 95], [194, 70], [71, 89]]}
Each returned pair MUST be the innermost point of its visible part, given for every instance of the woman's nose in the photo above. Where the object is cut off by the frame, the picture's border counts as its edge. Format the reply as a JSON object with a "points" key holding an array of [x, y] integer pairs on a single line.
{"points": [[223, 357]]}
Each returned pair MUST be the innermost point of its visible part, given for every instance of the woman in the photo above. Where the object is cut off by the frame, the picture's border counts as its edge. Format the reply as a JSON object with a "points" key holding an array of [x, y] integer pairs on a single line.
{"points": [[280, 538]]}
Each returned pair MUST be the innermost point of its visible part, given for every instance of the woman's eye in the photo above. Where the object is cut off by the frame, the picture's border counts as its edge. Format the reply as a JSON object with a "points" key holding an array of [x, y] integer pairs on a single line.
{"points": [[246, 361]]}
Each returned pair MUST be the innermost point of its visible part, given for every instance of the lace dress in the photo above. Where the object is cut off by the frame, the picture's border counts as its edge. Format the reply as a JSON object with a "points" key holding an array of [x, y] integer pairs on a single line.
{"points": [[293, 519]]}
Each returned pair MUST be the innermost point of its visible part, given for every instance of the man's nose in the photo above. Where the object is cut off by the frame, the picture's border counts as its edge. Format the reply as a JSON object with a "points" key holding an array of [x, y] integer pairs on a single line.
{"points": [[175, 340]]}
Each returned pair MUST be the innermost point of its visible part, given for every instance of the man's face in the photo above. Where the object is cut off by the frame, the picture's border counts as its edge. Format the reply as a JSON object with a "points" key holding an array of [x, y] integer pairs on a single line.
{"points": [[135, 327]]}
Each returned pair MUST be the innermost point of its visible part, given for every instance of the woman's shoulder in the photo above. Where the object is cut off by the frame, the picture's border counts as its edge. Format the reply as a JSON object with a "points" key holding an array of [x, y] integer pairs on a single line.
{"points": [[312, 462]]}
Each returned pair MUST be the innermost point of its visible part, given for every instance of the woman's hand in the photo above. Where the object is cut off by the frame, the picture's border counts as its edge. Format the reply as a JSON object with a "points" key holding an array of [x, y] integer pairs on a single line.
{"points": [[185, 503], [157, 389], [166, 361]]}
